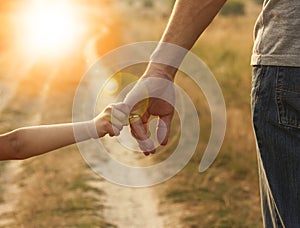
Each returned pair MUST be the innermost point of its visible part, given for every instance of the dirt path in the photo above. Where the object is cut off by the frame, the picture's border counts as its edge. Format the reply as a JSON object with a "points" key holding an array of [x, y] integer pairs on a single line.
{"points": [[10, 191], [9, 187], [13, 102], [123, 206], [128, 206]]}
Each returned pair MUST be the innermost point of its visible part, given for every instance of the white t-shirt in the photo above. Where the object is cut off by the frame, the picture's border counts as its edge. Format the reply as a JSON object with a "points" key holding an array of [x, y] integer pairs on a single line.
{"points": [[277, 34]]}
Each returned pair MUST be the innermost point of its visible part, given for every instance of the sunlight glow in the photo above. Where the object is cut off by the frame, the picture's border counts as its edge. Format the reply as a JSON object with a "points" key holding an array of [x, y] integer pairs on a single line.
{"points": [[112, 86], [50, 26]]}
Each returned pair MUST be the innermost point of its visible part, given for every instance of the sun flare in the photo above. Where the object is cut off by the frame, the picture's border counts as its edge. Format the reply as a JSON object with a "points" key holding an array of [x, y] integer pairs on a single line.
{"points": [[49, 27]]}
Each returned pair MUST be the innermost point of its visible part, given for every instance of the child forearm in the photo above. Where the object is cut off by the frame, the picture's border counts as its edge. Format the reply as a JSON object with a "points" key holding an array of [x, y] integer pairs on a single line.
{"points": [[31, 141], [27, 142]]}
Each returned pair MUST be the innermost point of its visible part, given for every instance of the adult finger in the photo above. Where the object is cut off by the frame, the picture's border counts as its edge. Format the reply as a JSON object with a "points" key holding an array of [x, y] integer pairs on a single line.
{"points": [[139, 132], [163, 129]]}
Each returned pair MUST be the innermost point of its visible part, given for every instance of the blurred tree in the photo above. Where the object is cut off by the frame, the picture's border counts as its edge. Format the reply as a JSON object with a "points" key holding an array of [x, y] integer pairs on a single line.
{"points": [[233, 7], [148, 3], [259, 1]]}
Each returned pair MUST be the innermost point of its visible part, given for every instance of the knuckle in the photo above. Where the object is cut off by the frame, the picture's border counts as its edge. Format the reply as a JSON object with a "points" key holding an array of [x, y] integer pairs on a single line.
{"points": [[108, 109], [107, 125]]}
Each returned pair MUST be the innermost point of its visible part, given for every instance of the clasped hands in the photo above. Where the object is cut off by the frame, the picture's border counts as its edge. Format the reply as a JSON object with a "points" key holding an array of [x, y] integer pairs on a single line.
{"points": [[152, 95]]}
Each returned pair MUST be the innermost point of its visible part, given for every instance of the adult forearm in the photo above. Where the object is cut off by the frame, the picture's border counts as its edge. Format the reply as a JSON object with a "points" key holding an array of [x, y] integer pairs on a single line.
{"points": [[188, 20]]}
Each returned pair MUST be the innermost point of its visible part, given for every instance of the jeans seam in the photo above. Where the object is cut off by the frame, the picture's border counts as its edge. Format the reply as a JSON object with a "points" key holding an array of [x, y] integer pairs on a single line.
{"points": [[257, 83], [277, 97]]}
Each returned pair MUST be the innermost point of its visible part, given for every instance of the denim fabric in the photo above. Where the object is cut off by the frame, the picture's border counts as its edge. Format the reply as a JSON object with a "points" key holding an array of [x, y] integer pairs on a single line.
{"points": [[276, 121]]}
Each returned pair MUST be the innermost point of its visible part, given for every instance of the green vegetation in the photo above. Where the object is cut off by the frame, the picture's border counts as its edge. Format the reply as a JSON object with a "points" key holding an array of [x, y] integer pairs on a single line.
{"points": [[148, 3], [260, 2], [233, 7]]}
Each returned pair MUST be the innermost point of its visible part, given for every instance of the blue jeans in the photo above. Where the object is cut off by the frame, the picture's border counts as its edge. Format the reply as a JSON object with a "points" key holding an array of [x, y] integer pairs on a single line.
{"points": [[276, 121]]}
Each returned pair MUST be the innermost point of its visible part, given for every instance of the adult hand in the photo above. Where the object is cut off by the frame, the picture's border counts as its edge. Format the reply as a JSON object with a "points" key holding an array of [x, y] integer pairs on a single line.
{"points": [[153, 95]]}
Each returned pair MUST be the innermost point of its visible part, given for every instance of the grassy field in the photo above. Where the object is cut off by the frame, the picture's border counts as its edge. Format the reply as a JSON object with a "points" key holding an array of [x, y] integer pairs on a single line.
{"points": [[226, 195], [54, 187], [51, 190]]}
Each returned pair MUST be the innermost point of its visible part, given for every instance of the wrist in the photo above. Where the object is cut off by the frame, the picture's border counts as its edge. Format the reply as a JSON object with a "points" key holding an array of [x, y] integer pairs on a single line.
{"points": [[168, 57], [85, 130], [91, 129], [159, 70]]}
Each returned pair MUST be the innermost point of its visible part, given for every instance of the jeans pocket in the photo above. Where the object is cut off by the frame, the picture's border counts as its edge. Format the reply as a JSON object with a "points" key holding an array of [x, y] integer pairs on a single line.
{"points": [[288, 96]]}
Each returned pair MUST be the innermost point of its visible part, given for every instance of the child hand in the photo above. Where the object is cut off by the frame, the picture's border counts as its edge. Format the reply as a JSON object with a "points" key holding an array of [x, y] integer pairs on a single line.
{"points": [[111, 120]]}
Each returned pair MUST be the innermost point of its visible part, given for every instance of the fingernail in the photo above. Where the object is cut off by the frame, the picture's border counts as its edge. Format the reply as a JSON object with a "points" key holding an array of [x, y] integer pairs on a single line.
{"points": [[164, 143]]}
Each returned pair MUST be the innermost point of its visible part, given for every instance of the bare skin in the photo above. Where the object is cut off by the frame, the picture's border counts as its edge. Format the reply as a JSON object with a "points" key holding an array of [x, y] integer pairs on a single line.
{"points": [[27, 142], [187, 22]]}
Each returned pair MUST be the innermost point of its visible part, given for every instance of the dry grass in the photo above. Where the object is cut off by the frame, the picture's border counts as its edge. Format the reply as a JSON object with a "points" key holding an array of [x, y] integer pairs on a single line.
{"points": [[227, 195], [54, 188]]}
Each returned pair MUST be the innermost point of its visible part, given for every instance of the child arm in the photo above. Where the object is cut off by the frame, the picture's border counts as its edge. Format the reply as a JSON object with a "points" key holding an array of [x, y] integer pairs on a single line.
{"points": [[27, 142]]}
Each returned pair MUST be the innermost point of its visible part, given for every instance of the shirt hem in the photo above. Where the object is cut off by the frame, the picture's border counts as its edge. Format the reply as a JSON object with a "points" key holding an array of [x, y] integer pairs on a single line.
{"points": [[276, 60]]}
